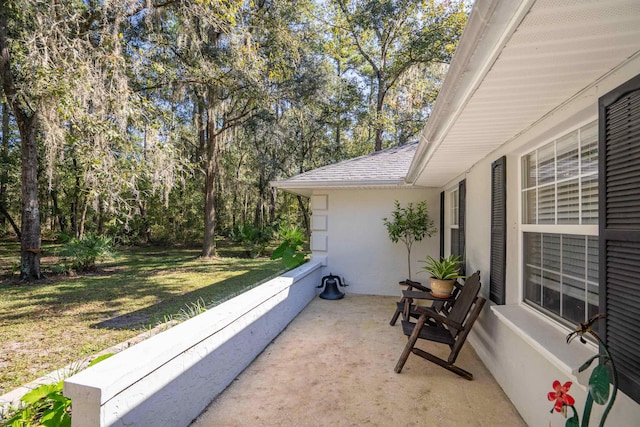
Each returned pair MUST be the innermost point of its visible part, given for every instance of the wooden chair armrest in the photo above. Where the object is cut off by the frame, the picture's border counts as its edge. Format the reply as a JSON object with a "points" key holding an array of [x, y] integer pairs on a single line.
{"points": [[424, 295], [411, 284], [425, 311]]}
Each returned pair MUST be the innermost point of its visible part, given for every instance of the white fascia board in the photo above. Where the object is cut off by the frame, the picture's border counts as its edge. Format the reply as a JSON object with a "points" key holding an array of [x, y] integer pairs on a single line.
{"points": [[306, 188], [490, 25]]}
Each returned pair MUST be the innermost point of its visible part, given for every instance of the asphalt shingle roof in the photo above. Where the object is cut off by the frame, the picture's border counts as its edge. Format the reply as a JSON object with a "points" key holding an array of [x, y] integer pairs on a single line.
{"points": [[386, 167]]}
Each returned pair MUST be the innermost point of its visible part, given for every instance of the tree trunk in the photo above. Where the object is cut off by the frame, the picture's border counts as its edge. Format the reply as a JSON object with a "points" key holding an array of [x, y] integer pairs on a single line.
{"points": [[211, 167], [4, 158], [73, 219], [305, 215], [5, 214], [209, 242], [245, 207], [379, 107], [257, 213], [57, 215], [145, 232], [75, 205], [83, 218], [201, 126], [234, 202], [258, 218], [26, 120], [30, 241], [272, 206], [101, 213]]}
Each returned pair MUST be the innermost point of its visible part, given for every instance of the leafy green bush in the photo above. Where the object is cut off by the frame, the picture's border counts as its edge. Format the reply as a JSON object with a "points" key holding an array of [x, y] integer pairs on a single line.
{"points": [[46, 405], [60, 269], [254, 239], [291, 248], [82, 254], [63, 237]]}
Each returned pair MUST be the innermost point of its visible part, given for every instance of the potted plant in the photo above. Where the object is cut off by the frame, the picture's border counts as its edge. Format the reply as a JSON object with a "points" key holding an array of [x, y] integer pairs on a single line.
{"points": [[409, 224], [444, 272]]}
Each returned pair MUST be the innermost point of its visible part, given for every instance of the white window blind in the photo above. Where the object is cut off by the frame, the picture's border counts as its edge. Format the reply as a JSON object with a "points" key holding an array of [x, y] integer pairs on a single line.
{"points": [[560, 191], [560, 180]]}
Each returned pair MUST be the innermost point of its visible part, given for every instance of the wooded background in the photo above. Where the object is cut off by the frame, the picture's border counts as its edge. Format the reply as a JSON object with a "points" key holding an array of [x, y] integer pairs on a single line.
{"points": [[165, 120]]}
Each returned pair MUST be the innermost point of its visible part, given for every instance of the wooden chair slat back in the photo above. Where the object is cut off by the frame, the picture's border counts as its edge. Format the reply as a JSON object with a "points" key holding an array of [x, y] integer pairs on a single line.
{"points": [[466, 298], [462, 335]]}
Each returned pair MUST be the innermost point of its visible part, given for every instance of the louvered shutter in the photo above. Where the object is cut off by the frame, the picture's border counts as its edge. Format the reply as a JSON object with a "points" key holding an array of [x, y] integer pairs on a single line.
{"points": [[497, 288], [442, 224], [619, 211], [462, 195]]}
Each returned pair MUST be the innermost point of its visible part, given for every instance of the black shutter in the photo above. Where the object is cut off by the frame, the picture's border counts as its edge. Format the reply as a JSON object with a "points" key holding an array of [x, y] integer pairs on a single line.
{"points": [[619, 220], [462, 195], [442, 224], [497, 287]]}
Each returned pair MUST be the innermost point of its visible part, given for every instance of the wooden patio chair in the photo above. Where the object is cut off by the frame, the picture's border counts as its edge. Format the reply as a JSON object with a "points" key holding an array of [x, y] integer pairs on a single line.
{"points": [[400, 305], [451, 328], [406, 305]]}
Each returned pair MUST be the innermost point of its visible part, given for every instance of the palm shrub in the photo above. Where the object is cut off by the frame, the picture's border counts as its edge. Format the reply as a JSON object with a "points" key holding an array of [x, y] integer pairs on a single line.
{"points": [[408, 225], [83, 253], [254, 239], [291, 248]]}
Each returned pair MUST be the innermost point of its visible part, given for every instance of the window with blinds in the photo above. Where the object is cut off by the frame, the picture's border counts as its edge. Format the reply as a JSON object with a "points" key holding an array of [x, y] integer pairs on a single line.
{"points": [[561, 274], [455, 208], [559, 224], [454, 214], [457, 203], [560, 180]]}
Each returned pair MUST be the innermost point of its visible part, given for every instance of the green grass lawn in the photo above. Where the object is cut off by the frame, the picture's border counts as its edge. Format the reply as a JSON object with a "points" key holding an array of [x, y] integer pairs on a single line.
{"points": [[49, 324]]}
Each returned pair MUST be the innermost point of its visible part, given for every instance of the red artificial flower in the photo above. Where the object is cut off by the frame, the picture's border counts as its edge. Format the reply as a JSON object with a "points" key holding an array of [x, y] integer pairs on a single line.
{"points": [[560, 395]]}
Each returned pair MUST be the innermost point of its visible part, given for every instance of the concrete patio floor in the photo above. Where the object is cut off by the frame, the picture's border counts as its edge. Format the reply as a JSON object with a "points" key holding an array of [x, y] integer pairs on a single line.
{"points": [[333, 366]]}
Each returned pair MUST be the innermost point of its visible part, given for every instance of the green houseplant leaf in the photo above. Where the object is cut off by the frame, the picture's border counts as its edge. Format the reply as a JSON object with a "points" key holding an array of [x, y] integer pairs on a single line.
{"points": [[444, 268], [588, 363], [573, 421], [599, 384]]}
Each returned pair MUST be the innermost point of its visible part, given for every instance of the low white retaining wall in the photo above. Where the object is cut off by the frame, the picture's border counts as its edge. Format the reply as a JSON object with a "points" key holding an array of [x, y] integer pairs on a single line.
{"points": [[169, 379]]}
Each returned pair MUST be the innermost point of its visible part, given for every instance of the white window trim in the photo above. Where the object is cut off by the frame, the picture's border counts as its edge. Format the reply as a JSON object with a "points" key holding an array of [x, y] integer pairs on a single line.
{"points": [[453, 191], [448, 226], [584, 230], [577, 229], [547, 337]]}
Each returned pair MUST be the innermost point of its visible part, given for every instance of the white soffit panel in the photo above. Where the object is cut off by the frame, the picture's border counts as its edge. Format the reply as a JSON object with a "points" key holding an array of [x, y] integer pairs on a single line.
{"points": [[559, 49]]}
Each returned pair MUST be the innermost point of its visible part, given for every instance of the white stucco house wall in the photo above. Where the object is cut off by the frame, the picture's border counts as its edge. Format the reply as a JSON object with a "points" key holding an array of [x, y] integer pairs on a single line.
{"points": [[530, 162], [348, 202]]}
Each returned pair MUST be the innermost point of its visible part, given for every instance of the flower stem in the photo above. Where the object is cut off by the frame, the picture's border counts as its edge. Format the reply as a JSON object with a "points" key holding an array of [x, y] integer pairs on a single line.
{"points": [[586, 414], [615, 379]]}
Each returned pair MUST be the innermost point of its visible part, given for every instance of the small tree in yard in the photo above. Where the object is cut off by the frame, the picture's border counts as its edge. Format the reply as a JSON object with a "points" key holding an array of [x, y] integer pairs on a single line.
{"points": [[410, 224]]}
